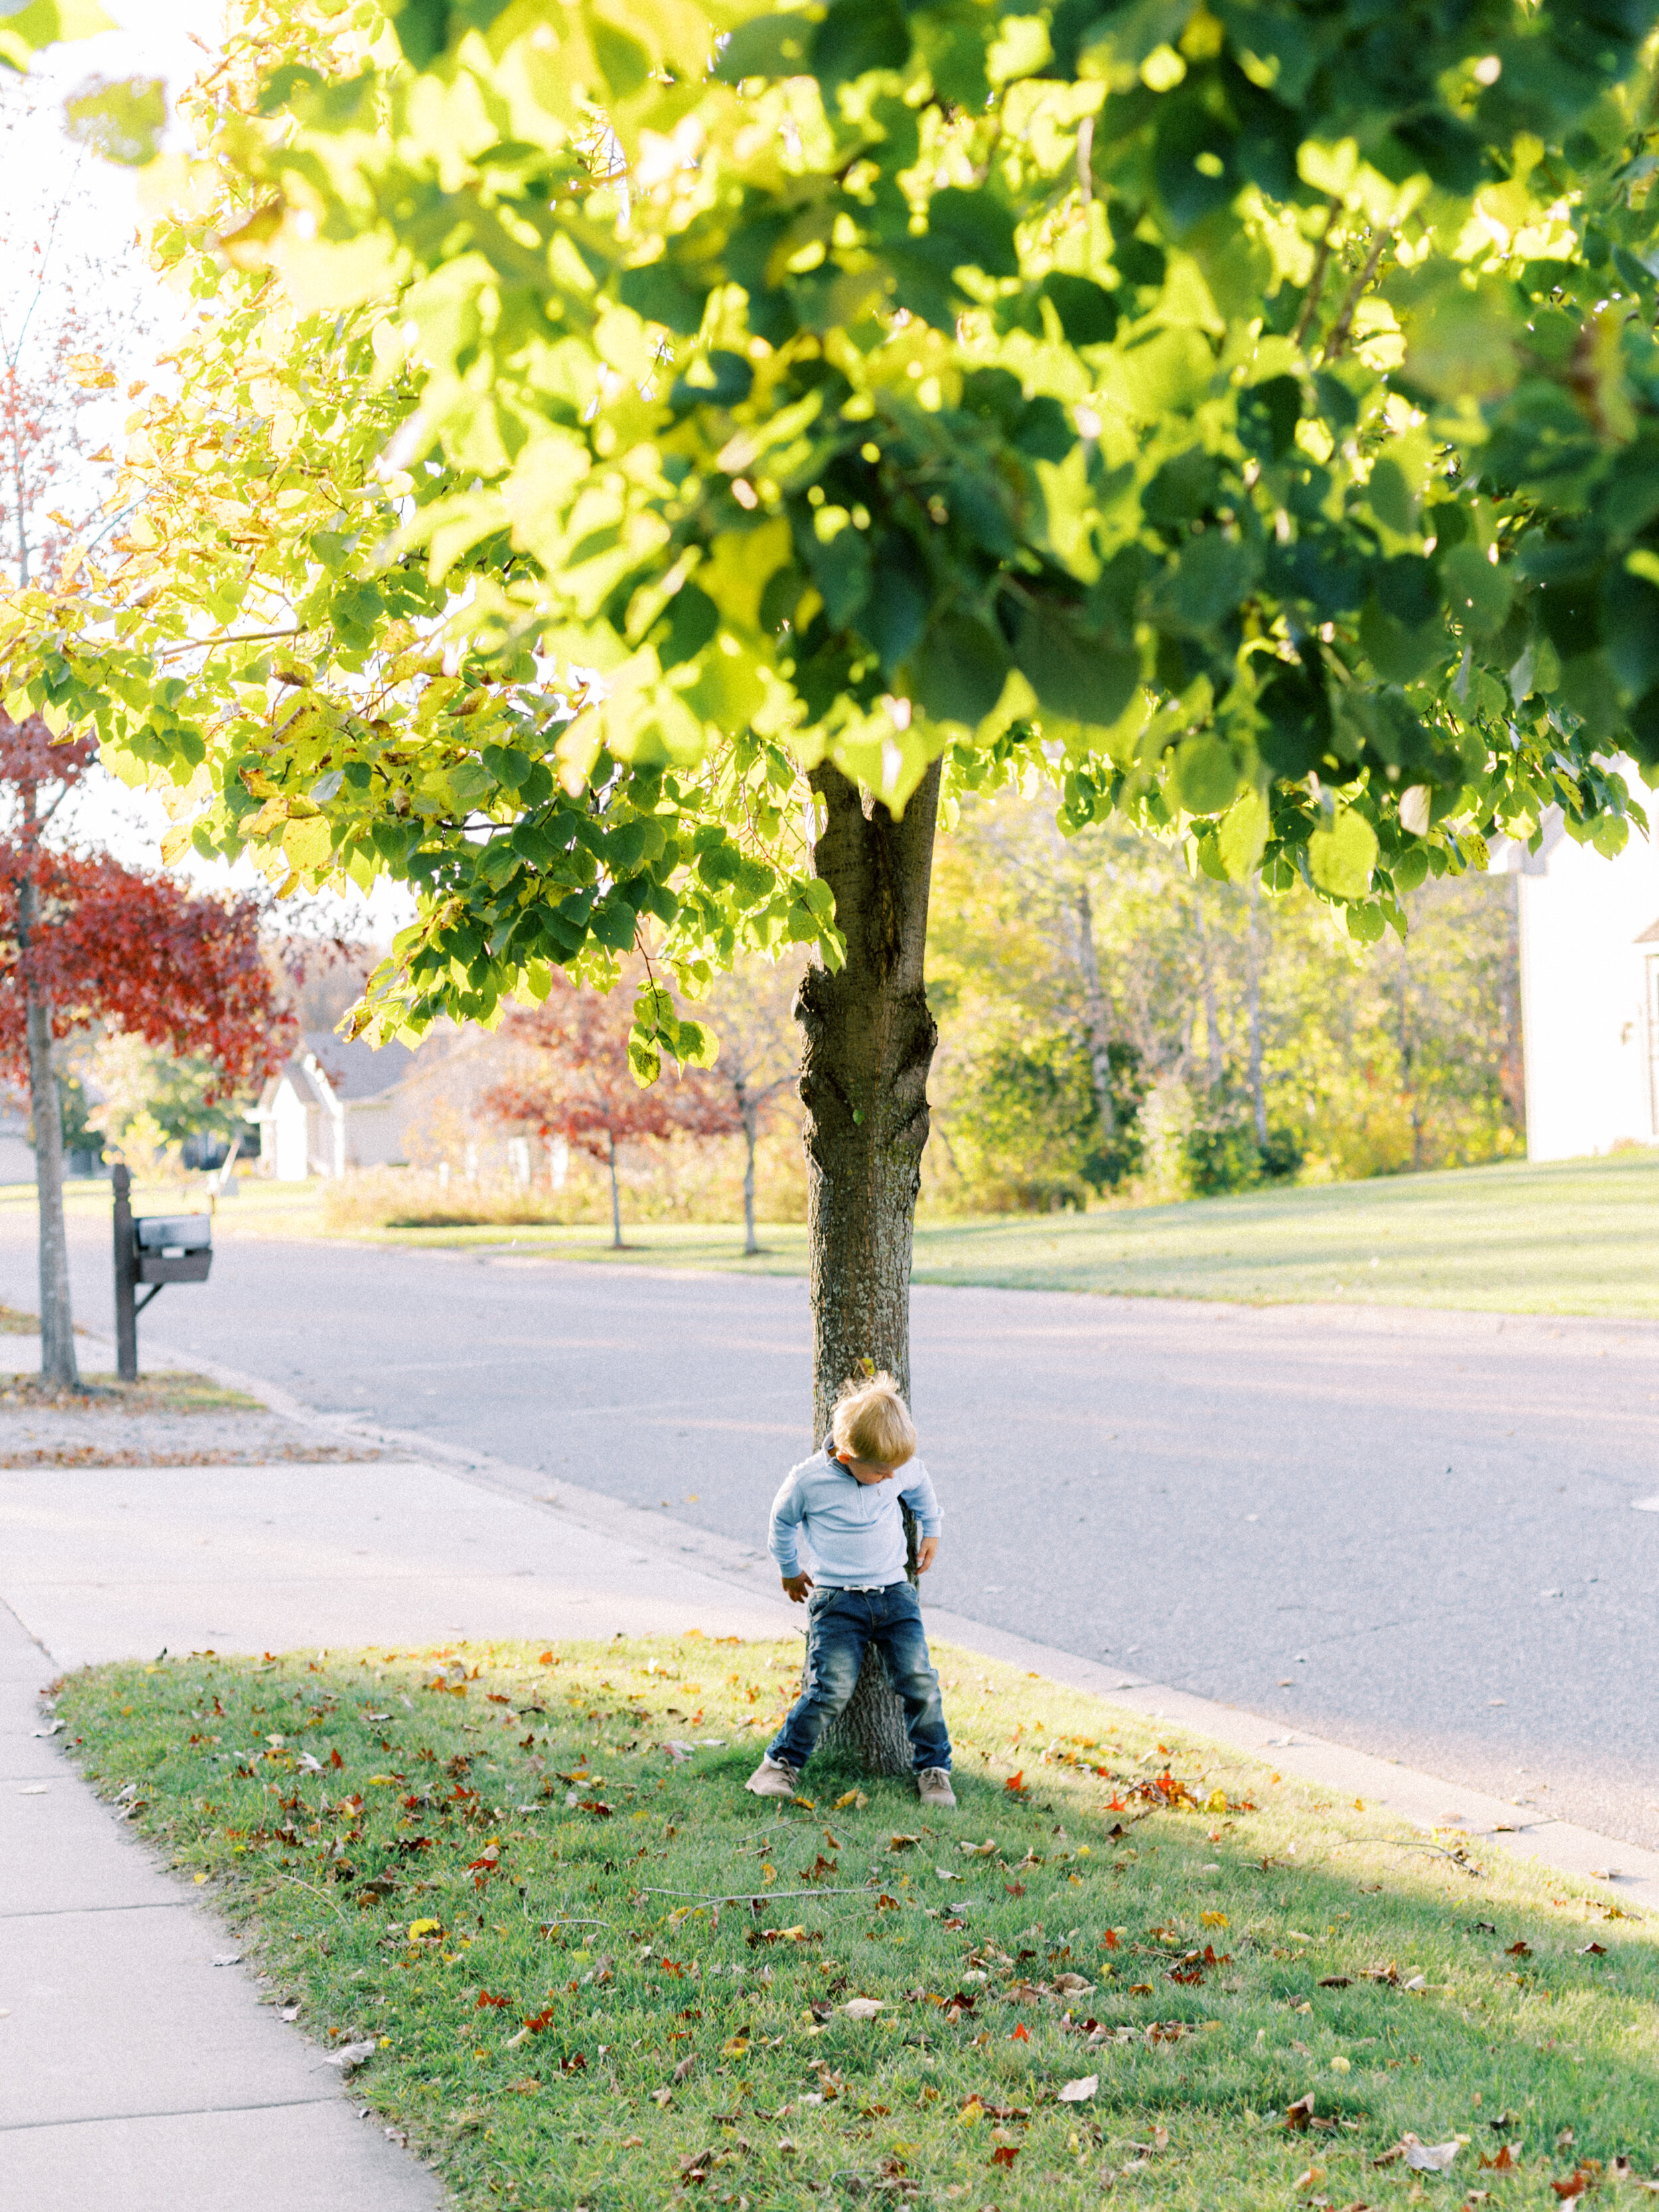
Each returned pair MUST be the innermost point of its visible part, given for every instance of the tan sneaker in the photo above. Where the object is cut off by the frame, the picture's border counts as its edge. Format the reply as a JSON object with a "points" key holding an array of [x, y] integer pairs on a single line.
{"points": [[933, 1788], [772, 1779]]}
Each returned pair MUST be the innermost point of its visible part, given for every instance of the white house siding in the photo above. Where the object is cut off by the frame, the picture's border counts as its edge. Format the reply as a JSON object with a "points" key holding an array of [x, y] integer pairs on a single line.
{"points": [[1589, 997]]}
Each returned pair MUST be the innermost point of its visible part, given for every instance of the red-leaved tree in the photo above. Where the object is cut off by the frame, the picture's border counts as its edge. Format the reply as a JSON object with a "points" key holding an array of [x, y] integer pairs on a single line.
{"points": [[579, 1085], [86, 941]]}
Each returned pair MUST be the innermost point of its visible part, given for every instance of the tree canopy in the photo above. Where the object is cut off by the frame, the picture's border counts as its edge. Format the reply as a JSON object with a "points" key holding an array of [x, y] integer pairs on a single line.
{"points": [[1241, 416]]}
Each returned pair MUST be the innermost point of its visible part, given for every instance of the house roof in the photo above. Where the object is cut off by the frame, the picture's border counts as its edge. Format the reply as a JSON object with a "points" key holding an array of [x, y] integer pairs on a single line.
{"points": [[358, 1070], [1649, 935]]}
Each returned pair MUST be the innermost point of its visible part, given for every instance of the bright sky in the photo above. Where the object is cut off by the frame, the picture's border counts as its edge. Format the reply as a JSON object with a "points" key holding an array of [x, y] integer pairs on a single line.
{"points": [[101, 220]]}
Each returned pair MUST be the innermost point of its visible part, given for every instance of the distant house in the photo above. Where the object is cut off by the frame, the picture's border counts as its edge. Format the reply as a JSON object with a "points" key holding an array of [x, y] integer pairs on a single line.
{"points": [[334, 1106], [1590, 994]]}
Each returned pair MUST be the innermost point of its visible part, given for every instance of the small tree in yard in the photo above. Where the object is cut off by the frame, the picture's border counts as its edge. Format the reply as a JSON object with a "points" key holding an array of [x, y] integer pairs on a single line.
{"points": [[87, 942], [752, 1011], [584, 1090]]}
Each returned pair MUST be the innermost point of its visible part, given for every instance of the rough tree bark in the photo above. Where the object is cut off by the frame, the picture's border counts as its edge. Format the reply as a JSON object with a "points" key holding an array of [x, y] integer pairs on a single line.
{"points": [[867, 1044], [57, 1362]]}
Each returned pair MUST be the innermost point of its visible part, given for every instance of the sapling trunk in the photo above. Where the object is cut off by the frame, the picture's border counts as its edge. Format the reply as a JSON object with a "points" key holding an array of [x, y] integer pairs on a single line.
{"points": [[867, 1044], [57, 1361], [750, 1129], [616, 1203]]}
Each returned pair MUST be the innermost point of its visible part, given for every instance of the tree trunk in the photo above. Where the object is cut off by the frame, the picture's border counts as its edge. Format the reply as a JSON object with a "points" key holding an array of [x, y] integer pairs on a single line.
{"points": [[1095, 1013], [616, 1203], [58, 1363], [750, 1130], [867, 1044], [1216, 1069], [1407, 1073], [1253, 956]]}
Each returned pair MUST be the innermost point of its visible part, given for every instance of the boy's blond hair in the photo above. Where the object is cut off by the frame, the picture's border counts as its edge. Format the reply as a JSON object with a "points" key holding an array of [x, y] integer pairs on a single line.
{"points": [[872, 1422]]}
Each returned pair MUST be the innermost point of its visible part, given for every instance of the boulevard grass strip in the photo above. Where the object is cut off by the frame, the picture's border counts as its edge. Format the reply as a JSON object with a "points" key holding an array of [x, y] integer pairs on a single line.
{"points": [[1572, 1238], [590, 1971], [166, 1391]]}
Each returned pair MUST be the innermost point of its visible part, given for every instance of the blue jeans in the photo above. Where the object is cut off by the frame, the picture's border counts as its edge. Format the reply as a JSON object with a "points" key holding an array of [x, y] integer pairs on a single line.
{"points": [[844, 1623]]}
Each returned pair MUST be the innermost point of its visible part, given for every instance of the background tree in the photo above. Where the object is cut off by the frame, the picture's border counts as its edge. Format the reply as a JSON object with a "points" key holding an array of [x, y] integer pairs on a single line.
{"points": [[1245, 421], [752, 1011], [85, 941], [582, 1087]]}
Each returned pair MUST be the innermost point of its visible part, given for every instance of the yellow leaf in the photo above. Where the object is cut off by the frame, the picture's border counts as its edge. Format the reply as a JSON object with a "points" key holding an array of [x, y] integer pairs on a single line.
{"points": [[91, 372], [853, 1798], [307, 844], [175, 842], [1215, 1920], [1343, 856], [419, 1928], [768, 1873]]}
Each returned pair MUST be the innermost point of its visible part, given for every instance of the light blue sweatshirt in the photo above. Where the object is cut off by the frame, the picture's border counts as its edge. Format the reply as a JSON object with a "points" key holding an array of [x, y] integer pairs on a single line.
{"points": [[853, 1530]]}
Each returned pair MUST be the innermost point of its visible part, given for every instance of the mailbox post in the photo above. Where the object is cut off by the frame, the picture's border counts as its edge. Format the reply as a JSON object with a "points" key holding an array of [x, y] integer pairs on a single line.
{"points": [[154, 1250]]}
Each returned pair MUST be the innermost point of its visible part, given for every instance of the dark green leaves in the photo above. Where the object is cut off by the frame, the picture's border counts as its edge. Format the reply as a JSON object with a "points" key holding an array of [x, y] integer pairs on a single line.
{"points": [[420, 28], [857, 35], [1087, 311], [1081, 677], [960, 670], [972, 228]]}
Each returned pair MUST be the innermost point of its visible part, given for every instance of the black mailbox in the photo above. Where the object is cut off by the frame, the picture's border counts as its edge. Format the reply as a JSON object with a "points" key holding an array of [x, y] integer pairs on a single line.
{"points": [[175, 1247], [157, 1249]]}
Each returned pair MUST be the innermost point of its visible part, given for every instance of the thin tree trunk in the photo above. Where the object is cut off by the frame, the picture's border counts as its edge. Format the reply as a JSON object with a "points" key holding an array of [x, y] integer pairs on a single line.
{"points": [[867, 1044], [1253, 960], [1215, 1070], [1406, 1075], [616, 1203], [750, 1115], [1095, 1013], [57, 1362]]}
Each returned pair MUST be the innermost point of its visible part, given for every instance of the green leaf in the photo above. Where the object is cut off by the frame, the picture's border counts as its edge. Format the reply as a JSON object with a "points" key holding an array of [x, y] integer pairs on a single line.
{"points": [[1087, 311], [857, 35], [1342, 856], [1244, 835], [767, 46], [975, 228], [1206, 773], [1477, 591], [958, 674], [122, 122], [420, 28], [1071, 674]]}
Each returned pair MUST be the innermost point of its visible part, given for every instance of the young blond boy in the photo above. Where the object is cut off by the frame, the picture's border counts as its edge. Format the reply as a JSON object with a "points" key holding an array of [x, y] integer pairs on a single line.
{"points": [[840, 1502]]}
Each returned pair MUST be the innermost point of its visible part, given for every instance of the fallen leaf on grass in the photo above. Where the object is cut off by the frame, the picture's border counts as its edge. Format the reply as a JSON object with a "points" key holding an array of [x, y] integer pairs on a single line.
{"points": [[1004, 2155], [863, 2008], [855, 1798], [419, 1928], [1521, 1950], [1592, 1950], [1296, 2116], [1080, 2091], [664, 2098], [350, 2056], [1505, 2161], [1574, 2185], [1429, 2158], [1310, 2178], [1021, 2034], [903, 1843]]}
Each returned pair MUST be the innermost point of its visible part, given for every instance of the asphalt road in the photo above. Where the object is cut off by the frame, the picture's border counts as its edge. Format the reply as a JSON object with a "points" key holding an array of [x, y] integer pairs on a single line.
{"points": [[1410, 1532]]}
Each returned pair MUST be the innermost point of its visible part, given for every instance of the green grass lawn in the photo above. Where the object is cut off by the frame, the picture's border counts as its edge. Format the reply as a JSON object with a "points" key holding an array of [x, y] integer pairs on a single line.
{"points": [[1580, 1237], [584, 1969], [1577, 1238]]}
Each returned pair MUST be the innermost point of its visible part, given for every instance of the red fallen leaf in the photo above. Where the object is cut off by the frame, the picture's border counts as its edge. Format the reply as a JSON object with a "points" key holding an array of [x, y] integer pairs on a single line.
{"points": [[485, 1999], [1109, 1939], [496, 1698], [1574, 2185], [1522, 1950], [1005, 2154], [1592, 1950], [885, 1903], [1297, 2115], [1015, 1888], [574, 2064], [538, 2020], [335, 1759], [594, 1805], [1016, 1783], [1505, 2161], [1021, 2034]]}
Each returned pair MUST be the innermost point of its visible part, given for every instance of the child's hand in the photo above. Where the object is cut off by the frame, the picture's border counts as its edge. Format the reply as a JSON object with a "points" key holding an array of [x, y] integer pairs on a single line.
{"points": [[796, 1587], [926, 1552]]}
